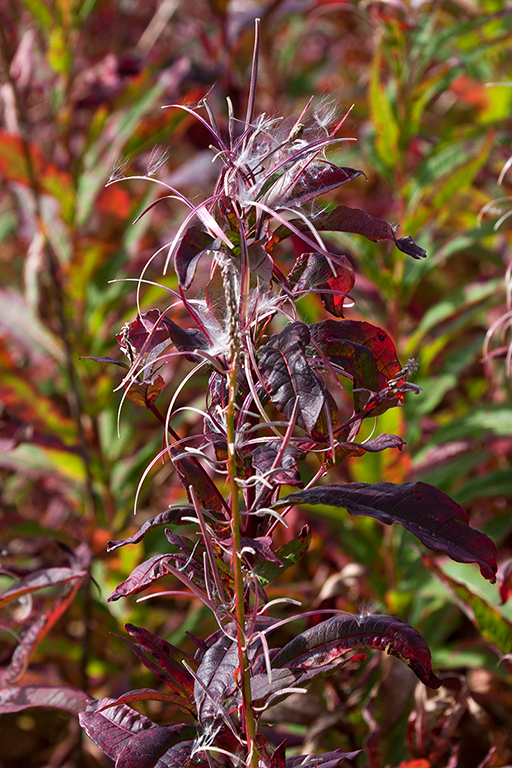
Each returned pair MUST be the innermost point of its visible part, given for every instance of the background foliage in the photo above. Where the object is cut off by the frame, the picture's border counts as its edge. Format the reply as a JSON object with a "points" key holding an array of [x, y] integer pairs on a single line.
{"points": [[82, 87]]}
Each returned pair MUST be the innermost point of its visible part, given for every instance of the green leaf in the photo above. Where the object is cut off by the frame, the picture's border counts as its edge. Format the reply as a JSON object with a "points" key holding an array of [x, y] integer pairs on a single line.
{"points": [[476, 424], [40, 12], [492, 484], [289, 554], [383, 118], [59, 54], [438, 166], [494, 627]]}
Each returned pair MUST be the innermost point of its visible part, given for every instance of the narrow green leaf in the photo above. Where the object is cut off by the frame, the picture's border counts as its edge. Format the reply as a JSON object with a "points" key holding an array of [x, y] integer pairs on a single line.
{"points": [[494, 627], [492, 484], [289, 554], [383, 118], [40, 12]]}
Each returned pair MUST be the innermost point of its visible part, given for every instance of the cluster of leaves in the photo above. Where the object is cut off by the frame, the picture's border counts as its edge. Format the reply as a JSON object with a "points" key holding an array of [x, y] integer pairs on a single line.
{"points": [[428, 153]]}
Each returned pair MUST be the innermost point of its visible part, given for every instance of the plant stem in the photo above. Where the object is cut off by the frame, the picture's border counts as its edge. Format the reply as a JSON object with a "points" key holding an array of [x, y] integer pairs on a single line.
{"points": [[236, 562]]}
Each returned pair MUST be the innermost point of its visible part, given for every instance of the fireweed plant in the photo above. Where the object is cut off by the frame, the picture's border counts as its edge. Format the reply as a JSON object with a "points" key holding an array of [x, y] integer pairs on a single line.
{"points": [[278, 390]]}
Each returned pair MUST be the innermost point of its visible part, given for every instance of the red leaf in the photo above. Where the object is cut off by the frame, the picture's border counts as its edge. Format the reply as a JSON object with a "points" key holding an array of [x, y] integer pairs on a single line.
{"points": [[142, 576], [32, 636], [331, 334], [142, 694], [505, 580], [145, 394], [13, 167], [114, 201], [49, 577], [313, 272]]}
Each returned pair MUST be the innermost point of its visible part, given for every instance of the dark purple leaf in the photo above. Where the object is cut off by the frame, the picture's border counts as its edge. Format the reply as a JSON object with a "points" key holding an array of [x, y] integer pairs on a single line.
{"points": [[288, 377], [132, 739], [407, 245], [105, 360], [192, 474], [217, 675], [157, 749], [173, 682], [380, 443], [112, 728], [318, 179], [383, 442], [262, 546], [326, 760], [356, 221], [438, 521], [164, 518], [286, 473], [59, 696], [166, 658], [186, 339], [294, 677], [184, 544], [193, 244], [147, 332], [326, 642], [151, 334]]}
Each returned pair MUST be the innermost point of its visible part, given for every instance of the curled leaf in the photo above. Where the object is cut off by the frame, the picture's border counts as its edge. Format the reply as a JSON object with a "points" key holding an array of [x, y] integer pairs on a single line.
{"points": [[326, 642], [194, 243], [164, 518]]}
